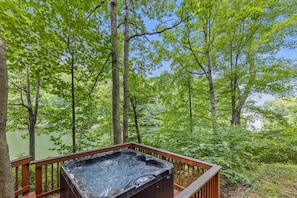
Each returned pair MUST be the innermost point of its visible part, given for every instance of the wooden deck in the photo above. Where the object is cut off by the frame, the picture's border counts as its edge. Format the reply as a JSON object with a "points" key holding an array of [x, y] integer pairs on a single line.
{"points": [[41, 178]]}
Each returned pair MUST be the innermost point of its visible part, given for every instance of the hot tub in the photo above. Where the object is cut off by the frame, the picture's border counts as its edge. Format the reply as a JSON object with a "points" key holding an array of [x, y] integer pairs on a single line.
{"points": [[122, 173]]}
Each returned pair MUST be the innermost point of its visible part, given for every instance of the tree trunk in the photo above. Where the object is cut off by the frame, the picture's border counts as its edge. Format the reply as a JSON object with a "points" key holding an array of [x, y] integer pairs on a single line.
{"points": [[115, 75], [32, 113], [235, 111], [190, 109], [212, 97], [6, 185], [126, 75], [236, 117], [207, 71], [237, 108], [73, 105], [136, 120], [73, 112]]}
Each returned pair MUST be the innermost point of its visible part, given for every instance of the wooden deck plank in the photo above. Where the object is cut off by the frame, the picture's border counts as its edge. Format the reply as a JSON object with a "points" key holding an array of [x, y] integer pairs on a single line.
{"points": [[30, 195], [176, 192]]}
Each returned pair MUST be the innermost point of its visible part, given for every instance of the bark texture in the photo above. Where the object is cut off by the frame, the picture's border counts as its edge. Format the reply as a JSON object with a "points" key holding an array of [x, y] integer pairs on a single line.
{"points": [[134, 106], [6, 186], [238, 102], [190, 108], [32, 113], [126, 75], [115, 75], [73, 105]]}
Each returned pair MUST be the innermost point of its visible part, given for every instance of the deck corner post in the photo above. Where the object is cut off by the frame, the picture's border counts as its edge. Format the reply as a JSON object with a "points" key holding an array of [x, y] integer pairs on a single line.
{"points": [[218, 185]]}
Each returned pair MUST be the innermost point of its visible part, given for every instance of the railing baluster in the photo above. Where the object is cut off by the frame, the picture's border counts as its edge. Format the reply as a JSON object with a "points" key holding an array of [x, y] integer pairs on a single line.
{"points": [[58, 174], [52, 176], [46, 178], [17, 177], [188, 181]]}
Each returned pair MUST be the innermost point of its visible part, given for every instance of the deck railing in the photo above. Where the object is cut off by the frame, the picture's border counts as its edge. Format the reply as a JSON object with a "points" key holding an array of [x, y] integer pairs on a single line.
{"points": [[21, 176], [192, 178]]}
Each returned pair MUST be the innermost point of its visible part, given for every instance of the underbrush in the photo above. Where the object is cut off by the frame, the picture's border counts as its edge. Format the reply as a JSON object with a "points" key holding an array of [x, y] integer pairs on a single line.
{"points": [[237, 151], [267, 180]]}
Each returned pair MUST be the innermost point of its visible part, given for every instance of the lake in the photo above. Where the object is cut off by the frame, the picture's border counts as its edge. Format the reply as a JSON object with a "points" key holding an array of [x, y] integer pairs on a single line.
{"points": [[19, 147]]}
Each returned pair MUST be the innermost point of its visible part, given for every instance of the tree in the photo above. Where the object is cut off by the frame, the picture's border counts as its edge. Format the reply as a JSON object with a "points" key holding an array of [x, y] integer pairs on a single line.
{"points": [[197, 38], [231, 46], [30, 105], [141, 97], [247, 54], [67, 53], [138, 24], [6, 185], [126, 74], [21, 72], [32, 112], [81, 58], [115, 74]]}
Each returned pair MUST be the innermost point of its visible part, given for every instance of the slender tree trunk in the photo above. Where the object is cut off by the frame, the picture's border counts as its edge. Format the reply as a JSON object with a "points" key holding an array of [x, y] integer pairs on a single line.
{"points": [[235, 112], [32, 112], [31, 127], [207, 39], [190, 108], [115, 75], [136, 119], [207, 71], [73, 105], [212, 97], [126, 75], [233, 99], [6, 185]]}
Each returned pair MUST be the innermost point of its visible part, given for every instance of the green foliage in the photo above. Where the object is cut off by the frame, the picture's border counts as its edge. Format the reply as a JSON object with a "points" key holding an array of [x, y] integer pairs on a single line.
{"points": [[173, 109]]}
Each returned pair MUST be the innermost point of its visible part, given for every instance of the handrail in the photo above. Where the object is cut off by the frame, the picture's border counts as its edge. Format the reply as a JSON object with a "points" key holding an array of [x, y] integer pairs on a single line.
{"points": [[176, 156], [193, 178], [198, 184], [210, 178]]}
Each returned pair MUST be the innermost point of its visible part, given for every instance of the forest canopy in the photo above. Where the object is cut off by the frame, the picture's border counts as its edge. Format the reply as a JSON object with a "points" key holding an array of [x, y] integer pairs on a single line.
{"points": [[89, 70]]}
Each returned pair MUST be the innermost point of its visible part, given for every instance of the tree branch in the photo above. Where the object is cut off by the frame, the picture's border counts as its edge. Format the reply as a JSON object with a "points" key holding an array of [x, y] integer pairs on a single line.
{"points": [[18, 87], [98, 6], [160, 31], [195, 57], [97, 77], [190, 72]]}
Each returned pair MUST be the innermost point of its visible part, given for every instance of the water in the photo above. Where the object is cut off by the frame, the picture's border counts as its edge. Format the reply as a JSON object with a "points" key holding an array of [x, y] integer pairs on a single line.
{"points": [[106, 176], [19, 146]]}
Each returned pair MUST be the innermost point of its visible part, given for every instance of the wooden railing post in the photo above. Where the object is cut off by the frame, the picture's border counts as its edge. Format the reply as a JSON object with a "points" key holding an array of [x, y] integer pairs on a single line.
{"points": [[217, 185], [26, 175], [38, 180]]}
